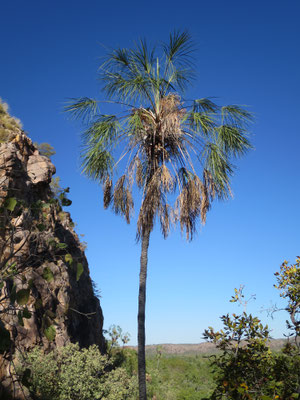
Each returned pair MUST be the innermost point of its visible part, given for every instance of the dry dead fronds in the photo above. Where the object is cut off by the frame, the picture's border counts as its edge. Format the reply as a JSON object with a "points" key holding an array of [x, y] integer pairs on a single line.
{"points": [[171, 115], [165, 214], [153, 203], [191, 204], [150, 205], [139, 173], [167, 181], [107, 192], [122, 197]]}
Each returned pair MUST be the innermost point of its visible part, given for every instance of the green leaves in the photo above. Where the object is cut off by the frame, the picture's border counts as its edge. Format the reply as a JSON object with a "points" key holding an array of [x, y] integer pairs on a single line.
{"points": [[79, 271], [48, 274], [10, 203], [41, 227], [5, 342], [61, 245], [68, 258], [50, 333], [22, 296]]}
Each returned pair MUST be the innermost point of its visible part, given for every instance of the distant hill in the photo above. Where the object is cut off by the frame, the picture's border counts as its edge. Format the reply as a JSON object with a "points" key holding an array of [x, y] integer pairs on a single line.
{"points": [[200, 348]]}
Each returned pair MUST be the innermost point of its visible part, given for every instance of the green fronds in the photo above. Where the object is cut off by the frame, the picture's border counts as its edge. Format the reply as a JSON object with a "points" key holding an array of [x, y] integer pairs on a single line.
{"points": [[143, 57], [166, 143], [201, 122], [179, 48], [98, 140], [220, 169], [97, 163], [103, 131], [118, 60], [232, 140], [134, 87], [177, 78], [205, 105], [83, 108], [236, 115], [138, 120]]}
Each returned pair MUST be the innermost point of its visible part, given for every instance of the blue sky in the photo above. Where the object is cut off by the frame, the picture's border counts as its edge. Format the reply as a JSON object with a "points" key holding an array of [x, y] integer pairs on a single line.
{"points": [[248, 53]]}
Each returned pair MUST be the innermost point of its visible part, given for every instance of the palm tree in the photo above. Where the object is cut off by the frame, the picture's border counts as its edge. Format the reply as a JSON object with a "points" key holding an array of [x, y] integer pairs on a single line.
{"points": [[176, 149]]}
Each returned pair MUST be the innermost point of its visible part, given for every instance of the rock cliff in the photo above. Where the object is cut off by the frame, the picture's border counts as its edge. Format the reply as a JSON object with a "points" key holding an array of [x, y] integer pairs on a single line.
{"points": [[47, 295]]}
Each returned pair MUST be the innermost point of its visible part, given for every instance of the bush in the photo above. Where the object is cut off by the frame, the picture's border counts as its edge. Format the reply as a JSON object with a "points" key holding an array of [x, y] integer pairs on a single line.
{"points": [[69, 373], [246, 368]]}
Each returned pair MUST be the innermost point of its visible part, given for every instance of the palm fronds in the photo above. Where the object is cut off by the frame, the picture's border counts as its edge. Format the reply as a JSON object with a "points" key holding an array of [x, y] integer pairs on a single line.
{"points": [[168, 143], [83, 108]]}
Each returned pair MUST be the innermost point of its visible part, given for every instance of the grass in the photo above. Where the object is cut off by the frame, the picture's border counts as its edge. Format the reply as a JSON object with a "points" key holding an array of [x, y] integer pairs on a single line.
{"points": [[8, 125], [179, 377], [173, 376]]}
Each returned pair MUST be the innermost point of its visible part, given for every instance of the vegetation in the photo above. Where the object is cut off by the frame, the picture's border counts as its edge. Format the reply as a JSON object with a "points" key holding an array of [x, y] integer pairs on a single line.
{"points": [[243, 368], [45, 149], [246, 368], [8, 124], [16, 260], [171, 146], [179, 377], [69, 373]]}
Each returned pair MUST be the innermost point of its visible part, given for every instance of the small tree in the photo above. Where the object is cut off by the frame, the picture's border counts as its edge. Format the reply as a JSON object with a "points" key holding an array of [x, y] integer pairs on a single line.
{"points": [[71, 373], [288, 362], [244, 367], [45, 149]]}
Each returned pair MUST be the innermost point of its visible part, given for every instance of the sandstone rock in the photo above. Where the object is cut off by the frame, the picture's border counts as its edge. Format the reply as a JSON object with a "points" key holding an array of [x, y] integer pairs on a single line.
{"points": [[40, 169], [32, 239]]}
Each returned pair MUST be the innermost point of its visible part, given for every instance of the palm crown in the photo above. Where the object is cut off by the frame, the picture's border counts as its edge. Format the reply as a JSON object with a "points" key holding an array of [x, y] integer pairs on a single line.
{"points": [[171, 145]]}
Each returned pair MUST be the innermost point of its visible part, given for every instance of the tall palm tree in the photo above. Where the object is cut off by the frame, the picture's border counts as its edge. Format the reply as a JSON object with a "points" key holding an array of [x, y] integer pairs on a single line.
{"points": [[179, 152]]}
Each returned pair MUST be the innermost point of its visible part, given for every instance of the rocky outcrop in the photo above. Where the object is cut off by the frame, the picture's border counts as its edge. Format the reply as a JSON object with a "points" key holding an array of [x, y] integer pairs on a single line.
{"points": [[47, 295]]}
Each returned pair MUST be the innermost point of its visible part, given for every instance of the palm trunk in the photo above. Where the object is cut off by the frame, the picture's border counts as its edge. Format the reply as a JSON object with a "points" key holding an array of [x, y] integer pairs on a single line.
{"points": [[141, 317]]}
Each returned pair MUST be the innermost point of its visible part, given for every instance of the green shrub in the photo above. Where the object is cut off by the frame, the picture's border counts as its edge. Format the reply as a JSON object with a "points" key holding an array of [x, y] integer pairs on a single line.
{"points": [[69, 373], [246, 368]]}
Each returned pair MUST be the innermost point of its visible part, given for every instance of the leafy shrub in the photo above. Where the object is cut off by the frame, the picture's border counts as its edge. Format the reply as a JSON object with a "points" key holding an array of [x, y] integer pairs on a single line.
{"points": [[69, 373], [246, 368], [245, 365]]}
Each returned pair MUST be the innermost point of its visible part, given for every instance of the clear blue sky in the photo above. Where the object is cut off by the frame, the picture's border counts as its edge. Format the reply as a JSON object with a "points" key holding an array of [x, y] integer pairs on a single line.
{"points": [[248, 53]]}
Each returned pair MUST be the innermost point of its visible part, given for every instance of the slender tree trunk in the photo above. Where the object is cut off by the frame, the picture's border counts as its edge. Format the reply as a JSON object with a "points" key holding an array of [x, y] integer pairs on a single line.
{"points": [[141, 317]]}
